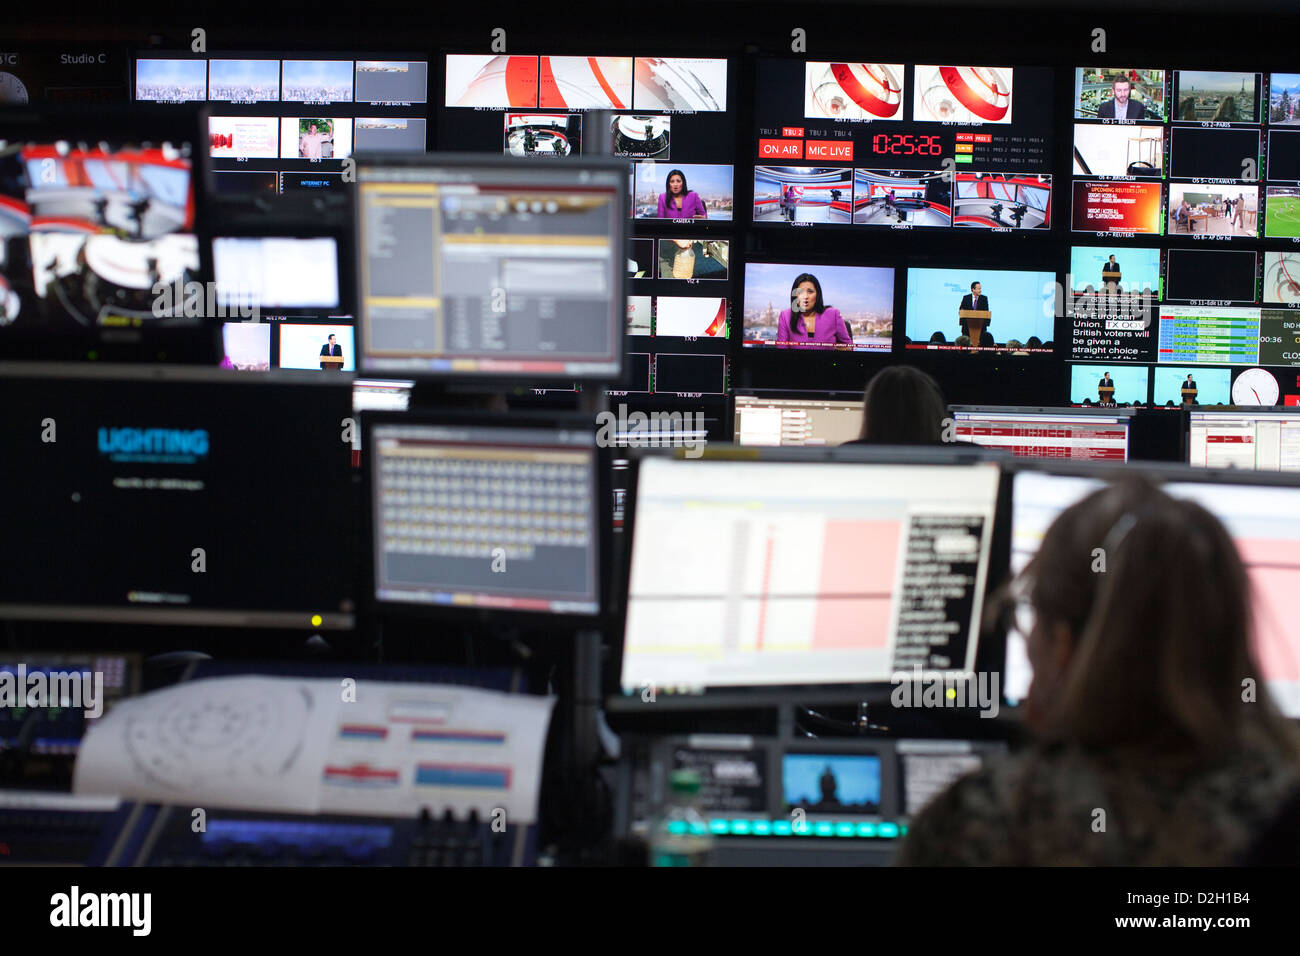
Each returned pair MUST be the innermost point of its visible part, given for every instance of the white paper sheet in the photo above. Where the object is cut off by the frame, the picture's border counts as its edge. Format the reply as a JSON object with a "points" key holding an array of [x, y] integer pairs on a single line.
{"points": [[320, 746]]}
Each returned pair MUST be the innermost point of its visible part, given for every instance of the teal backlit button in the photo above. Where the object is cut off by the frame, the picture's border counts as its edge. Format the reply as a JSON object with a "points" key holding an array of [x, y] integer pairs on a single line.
{"points": [[845, 829], [677, 827], [698, 829], [761, 828], [903, 830], [866, 829], [824, 829], [889, 830], [719, 826], [781, 827], [740, 827]]}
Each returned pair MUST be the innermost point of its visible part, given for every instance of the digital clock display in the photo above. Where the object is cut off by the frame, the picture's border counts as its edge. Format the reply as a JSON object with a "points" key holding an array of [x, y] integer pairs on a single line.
{"points": [[905, 144]]}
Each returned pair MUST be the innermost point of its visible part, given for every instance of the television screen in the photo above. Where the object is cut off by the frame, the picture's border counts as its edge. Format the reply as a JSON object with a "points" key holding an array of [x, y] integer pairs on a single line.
{"points": [[964, 310], [815, 307]]}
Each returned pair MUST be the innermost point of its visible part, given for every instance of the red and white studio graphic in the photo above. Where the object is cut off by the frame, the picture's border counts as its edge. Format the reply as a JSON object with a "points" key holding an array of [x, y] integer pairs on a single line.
{"points": [[497, 82], [585, 82], [680, 83], [962, 94], [1282, 277], [858, 91]]}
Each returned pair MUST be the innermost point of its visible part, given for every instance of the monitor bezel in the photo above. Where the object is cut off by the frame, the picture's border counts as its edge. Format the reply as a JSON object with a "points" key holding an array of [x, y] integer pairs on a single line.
{"points": [[195, 343], [494, 161], [988, 638], [190, 616], [490, 619]]}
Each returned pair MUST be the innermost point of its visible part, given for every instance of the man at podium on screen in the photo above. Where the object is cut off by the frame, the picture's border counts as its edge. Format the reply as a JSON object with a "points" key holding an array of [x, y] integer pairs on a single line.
{"points": [[332, 348], [973, 325]]}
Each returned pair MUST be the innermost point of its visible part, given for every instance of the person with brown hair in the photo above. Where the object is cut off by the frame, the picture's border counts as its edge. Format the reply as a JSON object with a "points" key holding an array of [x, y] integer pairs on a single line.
{"points": [[902, 406], [1146, 751]]}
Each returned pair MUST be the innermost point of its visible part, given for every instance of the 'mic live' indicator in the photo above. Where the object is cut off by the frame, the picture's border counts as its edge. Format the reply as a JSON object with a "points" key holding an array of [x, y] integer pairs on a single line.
{"points": [[829, 149]]}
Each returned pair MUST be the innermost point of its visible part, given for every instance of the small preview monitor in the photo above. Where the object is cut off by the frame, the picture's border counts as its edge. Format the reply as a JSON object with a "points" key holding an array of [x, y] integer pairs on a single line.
{"points": [[142, 489], [1060, 433], [485, 267], [473, 516], [796, 420], [763, 575], [1257, 441]]}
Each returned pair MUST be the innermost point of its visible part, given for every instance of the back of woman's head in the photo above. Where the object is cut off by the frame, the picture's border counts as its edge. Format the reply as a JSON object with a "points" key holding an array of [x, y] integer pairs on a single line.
{"points": [[903, 406], [1155, 598]]}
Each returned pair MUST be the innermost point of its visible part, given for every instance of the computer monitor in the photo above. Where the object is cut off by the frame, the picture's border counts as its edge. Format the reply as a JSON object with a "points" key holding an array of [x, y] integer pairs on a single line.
{"points": [[1261, 512], [1056, 433], [804, 574], [797, 418], [473, 517], [488, 267], [177, 495], [1244, 438], [100, 255]]}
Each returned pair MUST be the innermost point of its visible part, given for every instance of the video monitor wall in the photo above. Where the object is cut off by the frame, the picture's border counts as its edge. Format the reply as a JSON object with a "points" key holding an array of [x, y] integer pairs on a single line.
{"points": [[672, 118], [281, 123], [292, 285], [1176, 173], [898, 145]]}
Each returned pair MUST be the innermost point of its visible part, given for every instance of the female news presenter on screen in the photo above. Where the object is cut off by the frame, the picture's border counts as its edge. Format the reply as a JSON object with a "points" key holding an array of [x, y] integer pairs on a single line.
{"points": [[809, 321], [678, 202]]}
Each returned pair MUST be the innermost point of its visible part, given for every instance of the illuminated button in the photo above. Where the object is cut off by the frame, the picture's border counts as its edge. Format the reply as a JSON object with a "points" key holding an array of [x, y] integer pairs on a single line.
{"points": [[902, 830], [740, 827], [781, 828], [845, 829], [316, 620], [824, 829], [677, 827], [866, 829], [719, 826], [889, 830], [698, 829], [761, 828]]}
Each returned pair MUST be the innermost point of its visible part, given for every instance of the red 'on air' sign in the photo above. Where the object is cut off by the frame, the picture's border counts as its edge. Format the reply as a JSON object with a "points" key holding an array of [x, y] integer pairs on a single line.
{"points": [[780, 149]]}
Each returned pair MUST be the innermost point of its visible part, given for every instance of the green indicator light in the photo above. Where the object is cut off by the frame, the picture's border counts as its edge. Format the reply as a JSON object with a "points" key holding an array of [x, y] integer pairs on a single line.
{"points": [[866, 829], [889, 830], [964, 158], [903, 830]]}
